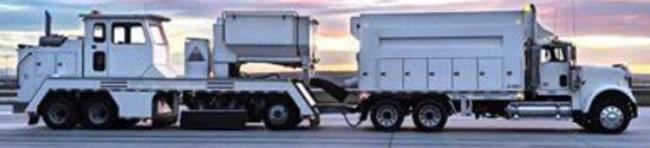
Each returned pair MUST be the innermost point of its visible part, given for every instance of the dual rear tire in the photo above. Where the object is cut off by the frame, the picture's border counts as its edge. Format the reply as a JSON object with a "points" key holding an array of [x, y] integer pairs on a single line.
{"points": [[428, 115], [64, 113]]}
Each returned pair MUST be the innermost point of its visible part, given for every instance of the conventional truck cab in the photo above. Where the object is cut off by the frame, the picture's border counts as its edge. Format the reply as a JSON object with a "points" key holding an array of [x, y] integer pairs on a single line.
{"points": [[556, 62]]}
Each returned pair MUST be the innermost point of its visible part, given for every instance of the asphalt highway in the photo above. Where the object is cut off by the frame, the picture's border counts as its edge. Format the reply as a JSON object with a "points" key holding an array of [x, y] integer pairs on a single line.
{"points": [[333, 132]]}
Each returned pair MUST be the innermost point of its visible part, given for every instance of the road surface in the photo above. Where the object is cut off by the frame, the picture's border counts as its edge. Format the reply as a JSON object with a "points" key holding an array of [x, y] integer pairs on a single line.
{"points": [[333, 132]]}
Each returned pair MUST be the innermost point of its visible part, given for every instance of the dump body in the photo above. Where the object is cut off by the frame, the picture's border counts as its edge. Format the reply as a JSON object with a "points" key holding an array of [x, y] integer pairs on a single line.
{"points": [[464, 51]]}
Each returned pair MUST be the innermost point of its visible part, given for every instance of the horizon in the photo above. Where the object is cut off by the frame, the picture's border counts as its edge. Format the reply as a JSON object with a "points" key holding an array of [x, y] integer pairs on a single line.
{"points": [[606, 32]]}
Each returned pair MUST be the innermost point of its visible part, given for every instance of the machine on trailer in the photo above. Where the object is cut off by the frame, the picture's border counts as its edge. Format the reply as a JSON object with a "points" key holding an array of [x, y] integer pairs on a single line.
{"points": [[486, 64], [118, 74]]}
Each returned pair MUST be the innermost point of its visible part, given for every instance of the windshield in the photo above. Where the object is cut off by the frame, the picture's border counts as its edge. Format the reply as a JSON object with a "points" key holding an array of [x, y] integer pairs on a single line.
{"points": [[553, 55], [158, 34], [558, 53]]}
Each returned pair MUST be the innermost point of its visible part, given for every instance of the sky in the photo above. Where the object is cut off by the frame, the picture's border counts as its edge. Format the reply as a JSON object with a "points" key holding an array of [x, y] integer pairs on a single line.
{"points": [[606, 32]]}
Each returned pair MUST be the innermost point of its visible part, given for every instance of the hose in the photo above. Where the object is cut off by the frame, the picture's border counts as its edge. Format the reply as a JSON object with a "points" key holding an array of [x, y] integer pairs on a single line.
{"points": [[345, 116]]}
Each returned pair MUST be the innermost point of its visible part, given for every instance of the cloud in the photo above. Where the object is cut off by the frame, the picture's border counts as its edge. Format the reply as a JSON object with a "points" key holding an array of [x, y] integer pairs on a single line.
{"points": [[8, 7], [609, 41]]}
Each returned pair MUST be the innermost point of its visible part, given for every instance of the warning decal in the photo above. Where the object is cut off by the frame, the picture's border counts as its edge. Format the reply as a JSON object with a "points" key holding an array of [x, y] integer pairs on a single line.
{"points": [[195, 56]]}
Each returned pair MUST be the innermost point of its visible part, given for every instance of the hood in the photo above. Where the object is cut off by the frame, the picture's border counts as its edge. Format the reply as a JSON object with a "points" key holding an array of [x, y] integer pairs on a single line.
{"points": [[600, 74]]}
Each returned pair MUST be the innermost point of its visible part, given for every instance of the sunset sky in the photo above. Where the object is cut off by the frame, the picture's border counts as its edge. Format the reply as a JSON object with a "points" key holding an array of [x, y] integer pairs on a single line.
{"points": [[606, 31]]}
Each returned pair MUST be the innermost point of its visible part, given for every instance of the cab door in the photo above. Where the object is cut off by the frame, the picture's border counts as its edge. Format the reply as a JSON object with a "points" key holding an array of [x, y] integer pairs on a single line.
{"points": [[96, 47], [130, 54], [554, 72]]}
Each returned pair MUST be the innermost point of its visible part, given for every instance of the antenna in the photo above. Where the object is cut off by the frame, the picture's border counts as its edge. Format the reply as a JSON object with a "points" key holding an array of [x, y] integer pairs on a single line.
{"points": [[573, 17], [48, 23]]}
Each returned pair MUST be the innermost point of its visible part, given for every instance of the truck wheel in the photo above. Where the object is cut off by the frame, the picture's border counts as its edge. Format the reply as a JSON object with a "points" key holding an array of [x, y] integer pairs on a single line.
{"points": [[387, 115], [429, 116], [60, 113], [609, 116], [99, 114], [280, 115]]}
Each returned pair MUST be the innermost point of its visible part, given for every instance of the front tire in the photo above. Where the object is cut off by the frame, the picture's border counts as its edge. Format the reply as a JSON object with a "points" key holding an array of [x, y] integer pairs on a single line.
{"points": [[60, 113], [429, 116], [387, 115], [609, 116]]}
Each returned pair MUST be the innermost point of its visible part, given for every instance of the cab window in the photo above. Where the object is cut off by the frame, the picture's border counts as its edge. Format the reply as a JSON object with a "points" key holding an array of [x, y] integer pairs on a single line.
{"points": [[553, 55], [128, 33], [99, 32], [158, 34]]}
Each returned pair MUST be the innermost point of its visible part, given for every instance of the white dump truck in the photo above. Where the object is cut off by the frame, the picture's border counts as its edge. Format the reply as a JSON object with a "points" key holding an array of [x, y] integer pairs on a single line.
{"points": [[496, 64], [486, 64]]}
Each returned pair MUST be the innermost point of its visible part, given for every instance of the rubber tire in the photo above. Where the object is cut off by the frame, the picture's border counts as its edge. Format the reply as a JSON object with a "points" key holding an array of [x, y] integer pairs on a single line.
{"points": [[594, 115], [74, 113], [416, 118], [400, 116], [293, 118], [112, 120]]}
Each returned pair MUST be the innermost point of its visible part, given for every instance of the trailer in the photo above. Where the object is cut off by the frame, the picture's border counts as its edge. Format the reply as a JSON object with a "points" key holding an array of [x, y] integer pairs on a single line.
{"points": [[486, 64]]}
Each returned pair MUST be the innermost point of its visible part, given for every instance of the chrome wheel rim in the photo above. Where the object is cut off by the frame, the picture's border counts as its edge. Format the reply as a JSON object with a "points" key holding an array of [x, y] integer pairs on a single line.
{"points": [[611, 117], [278, 114], [386, 115], [429, 116], [58, 113], [98, 113]]}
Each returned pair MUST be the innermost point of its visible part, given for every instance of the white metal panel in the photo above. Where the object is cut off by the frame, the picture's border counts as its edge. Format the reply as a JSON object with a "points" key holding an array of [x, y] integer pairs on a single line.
{"points": [[197, 58], [439, 74], [465, 74], [390, 74], [66, 64], [550, 74], [415, 74], [45, 63], [490, 74], [133, 104], [260, 29]]}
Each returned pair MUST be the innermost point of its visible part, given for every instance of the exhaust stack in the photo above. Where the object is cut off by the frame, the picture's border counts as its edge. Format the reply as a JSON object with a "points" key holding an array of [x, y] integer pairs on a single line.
{"points": [[48, 24]]}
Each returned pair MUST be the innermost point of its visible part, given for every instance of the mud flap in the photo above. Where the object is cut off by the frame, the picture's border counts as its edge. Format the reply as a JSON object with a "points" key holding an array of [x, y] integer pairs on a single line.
{"points": [[33, 118]]}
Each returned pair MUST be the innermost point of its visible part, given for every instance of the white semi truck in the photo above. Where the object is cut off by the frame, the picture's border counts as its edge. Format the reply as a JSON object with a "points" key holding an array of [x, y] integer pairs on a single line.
{"points": [[427, 65], [486, 64]]}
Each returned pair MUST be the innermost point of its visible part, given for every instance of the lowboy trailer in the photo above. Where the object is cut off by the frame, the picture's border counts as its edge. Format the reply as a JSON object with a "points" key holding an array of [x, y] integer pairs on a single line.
{"points": [[496, 64]]}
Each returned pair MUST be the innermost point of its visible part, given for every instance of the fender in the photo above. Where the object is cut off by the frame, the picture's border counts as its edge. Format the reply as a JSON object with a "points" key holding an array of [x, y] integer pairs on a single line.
{"points": [[588, 98]]}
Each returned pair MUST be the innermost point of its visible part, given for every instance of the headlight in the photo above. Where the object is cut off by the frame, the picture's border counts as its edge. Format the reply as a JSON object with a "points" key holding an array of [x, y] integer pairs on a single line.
{"points": [[623, 82]]}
